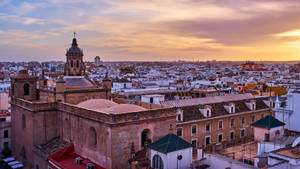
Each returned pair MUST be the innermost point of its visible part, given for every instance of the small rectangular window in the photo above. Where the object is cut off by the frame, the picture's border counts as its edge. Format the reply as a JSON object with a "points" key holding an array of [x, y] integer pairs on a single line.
{"points": [[231, 135], [242, 132], [179, 132], [220, 138], [151, 99], [194, 143], [194, 129], [232, 123], [253, 106], [207, 113], [207, 127], [179, 117], [267, 137], [207, 140], [5, 133], [220, 124]]}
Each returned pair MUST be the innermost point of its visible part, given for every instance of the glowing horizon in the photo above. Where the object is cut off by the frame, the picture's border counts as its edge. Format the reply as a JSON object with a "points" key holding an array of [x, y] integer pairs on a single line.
{"points": [[156, 30]]}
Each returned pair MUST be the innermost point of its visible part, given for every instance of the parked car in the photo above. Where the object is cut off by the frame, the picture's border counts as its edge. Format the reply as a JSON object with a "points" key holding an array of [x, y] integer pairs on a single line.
{"points": [[17, 166]]}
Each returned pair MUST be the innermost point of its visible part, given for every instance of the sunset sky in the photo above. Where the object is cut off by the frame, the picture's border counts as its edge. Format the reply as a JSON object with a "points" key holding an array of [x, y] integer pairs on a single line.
{"points": [[151, 29]]}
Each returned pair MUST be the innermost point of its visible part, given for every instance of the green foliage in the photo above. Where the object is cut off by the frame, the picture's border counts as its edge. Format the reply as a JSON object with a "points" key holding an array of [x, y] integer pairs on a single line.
{"points": [[265, 87], [283, 104]]}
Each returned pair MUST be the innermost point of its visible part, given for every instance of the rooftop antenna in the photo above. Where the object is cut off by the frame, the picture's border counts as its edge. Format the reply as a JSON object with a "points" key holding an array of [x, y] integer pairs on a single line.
{"points": [[74, 34]]}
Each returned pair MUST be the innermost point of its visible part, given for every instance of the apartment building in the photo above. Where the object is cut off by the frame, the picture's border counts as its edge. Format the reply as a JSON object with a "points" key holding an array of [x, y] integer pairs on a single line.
{"points": [[221, 119]]}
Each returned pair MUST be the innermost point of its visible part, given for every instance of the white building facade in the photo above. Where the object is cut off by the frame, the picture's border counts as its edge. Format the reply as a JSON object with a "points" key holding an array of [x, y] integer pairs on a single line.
{"points": [[290, 114]]}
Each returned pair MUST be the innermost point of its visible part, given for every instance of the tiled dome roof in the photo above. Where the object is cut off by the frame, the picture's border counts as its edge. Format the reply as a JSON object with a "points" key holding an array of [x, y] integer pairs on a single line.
{"points": [[123, 108], [97, 104]]}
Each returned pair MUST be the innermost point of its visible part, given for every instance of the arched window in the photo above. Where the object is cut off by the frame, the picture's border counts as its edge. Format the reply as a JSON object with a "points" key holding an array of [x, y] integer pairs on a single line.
{"points": [[145, 137], [207, 111], [77, 63], [179, 113], [26, 89], [92, 137], [71, 63], [23, 121], [157, 162]]}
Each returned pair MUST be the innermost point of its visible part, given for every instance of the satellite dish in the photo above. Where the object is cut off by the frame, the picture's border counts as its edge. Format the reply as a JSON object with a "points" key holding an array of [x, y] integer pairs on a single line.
{"points": [[296, 142]]}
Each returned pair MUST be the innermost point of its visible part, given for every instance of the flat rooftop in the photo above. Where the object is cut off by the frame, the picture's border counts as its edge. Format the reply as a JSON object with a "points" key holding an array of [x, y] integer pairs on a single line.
{"points": [[153, 95], [241, 151], [292, 152], [284, 140], [66, 158]]}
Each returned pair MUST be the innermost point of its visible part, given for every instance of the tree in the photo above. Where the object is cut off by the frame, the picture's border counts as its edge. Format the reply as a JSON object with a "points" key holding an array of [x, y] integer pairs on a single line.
{"points": [[282, 104], [265, 87]]}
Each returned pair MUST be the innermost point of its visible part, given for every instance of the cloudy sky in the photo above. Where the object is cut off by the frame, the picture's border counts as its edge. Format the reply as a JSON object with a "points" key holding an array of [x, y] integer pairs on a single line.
{"points": [[151, 29]]}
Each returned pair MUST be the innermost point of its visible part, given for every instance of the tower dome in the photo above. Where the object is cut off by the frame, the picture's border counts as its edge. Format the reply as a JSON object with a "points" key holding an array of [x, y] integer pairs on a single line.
{"points": [[74, 49], [74, 65]]}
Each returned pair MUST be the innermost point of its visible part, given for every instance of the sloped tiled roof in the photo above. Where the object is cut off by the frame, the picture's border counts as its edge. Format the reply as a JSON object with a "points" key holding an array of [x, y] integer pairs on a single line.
{"points": [[268, 122], [208, 100], [191, 113], [218, 109], [169, 143]]}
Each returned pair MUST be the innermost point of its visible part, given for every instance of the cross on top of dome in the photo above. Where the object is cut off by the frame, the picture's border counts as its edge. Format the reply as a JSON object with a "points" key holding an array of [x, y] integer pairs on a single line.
{"points": [[74, 43]]}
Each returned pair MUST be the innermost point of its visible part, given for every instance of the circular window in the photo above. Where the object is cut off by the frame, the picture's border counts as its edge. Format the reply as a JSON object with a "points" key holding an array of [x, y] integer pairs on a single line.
{"points": [[179, 157]]}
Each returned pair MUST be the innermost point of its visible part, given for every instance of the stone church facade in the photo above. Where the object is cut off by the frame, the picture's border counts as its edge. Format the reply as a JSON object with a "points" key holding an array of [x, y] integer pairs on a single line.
{"points": [[77, 111]]}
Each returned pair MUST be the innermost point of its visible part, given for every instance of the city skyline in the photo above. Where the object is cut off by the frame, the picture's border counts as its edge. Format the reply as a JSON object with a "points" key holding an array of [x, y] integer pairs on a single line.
{"points": [[150, 30]]}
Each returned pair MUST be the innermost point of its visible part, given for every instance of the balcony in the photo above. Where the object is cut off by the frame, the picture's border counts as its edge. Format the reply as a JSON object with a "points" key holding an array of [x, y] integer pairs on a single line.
{"points": [[283, 110]]}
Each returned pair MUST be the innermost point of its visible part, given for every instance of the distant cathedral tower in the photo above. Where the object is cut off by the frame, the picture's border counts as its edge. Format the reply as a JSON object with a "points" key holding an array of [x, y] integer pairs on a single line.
{"points": [[75, 65]]}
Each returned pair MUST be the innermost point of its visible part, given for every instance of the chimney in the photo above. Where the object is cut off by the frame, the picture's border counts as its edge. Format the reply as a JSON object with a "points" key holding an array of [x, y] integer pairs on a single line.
{"points": [[171, 129]]}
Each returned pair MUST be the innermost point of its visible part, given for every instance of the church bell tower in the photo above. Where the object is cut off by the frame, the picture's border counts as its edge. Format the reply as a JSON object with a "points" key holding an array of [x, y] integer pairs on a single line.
{"points": [[74, 65]]}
